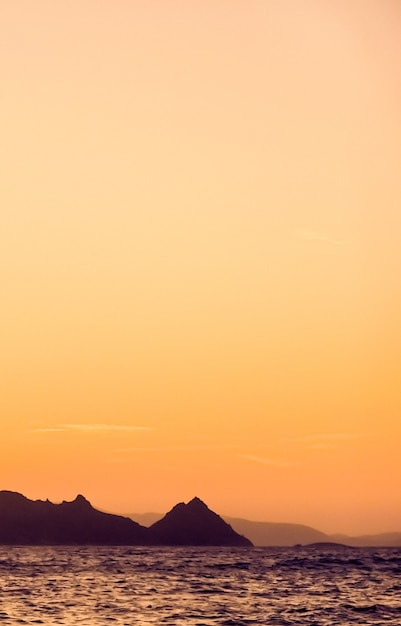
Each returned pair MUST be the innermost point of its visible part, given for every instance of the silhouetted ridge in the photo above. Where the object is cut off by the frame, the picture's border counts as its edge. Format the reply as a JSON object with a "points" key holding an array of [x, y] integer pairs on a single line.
{"points": [[194, 524], [196, 503], [11, 498], [30, 522], [79, 504], [275, 533]]}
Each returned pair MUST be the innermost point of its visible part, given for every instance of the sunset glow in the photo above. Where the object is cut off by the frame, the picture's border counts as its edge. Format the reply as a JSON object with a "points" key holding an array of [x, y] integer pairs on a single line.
{"points": [[200, 257]]}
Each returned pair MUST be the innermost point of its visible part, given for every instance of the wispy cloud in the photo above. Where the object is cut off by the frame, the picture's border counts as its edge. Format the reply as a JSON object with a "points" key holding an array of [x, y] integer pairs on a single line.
{"points": [[183, 448], [323, 441], [313, 235], [46, 430], [278, 463], [103, 427], [91, 428]]}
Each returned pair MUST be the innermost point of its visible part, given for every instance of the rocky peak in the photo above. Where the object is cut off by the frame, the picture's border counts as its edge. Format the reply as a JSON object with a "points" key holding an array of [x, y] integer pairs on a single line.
{"points": [[195, 524]]}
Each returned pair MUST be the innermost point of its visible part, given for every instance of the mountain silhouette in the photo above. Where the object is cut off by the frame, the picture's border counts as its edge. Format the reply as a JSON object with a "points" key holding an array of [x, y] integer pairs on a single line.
{"points": [[194, 524], [259, 533], [276, 533], [287, 534], [28, 522], [37, 522]]}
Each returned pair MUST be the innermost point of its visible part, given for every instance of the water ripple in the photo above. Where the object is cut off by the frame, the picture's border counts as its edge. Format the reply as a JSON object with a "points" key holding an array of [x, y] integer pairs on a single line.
{"points": [[89, 586]]}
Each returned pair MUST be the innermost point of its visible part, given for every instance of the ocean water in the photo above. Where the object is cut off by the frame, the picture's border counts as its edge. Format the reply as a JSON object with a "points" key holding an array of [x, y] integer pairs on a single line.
{"points": [[194, 586]]}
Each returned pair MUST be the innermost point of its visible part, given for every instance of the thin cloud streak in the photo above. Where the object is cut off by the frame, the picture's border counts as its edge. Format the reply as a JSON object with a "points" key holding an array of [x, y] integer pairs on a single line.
{"points": [[184, 448], [103, 427], [46, 430], [91, 428], [279, 464], [324, 438]]}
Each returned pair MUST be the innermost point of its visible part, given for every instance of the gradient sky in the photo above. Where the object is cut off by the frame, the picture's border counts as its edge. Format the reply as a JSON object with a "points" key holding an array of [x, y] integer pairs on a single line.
{"points": [[200, 264]]}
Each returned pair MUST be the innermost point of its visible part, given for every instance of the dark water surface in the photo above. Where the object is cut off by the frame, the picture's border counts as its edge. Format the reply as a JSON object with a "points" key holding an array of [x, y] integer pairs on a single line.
{"points": [[230, 587]]}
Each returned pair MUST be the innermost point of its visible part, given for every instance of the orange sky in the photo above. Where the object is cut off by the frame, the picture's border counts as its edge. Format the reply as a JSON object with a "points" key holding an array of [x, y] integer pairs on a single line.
{"points": [[199, 256]]}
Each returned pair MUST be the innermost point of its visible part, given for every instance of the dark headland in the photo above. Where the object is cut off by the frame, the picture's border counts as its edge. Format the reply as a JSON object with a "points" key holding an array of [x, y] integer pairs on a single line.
{"points": [[37, 522], [278, 534], [195, 524]]}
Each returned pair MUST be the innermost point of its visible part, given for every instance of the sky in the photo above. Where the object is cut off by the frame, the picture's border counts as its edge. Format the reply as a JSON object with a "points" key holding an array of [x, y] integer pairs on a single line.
{"points": [[200, 267]]}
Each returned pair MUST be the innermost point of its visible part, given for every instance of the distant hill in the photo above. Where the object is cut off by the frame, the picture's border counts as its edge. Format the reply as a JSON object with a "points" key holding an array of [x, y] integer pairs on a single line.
{"points": [[281, 534], [194, 524], [276, 534], [380, 540], [145, 519], [260, 533], [37, 522]]}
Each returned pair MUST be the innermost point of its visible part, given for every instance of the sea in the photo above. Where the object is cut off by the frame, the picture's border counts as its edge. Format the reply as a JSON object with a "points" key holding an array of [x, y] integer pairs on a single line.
{"points": [[82, 586]]}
